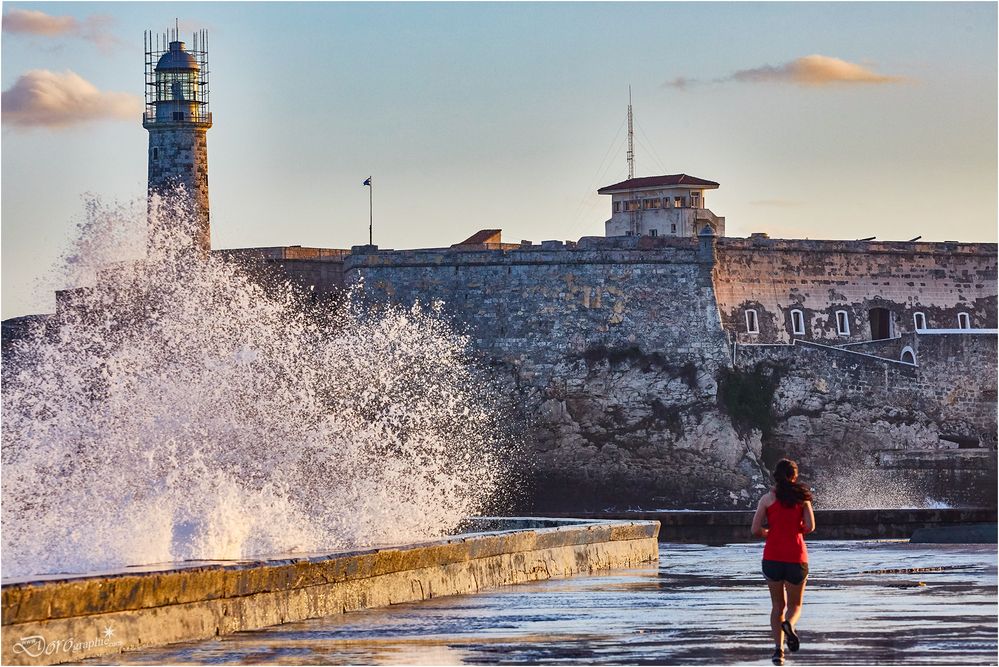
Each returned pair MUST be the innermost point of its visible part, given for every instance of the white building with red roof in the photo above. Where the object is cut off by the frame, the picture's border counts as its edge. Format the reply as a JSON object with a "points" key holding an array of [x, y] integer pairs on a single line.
{"points": [[668, 205]]}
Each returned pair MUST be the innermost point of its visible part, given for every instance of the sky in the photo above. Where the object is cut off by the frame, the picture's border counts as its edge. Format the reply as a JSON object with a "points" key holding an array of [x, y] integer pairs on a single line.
{"points": [[819, 120]]}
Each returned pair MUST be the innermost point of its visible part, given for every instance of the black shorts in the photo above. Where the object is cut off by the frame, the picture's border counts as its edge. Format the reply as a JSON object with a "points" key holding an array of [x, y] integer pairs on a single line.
{"points": [[792, 573]]}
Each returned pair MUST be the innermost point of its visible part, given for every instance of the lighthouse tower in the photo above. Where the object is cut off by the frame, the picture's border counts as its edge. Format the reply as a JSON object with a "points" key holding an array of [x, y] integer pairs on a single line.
{"points": [[177, 117]]}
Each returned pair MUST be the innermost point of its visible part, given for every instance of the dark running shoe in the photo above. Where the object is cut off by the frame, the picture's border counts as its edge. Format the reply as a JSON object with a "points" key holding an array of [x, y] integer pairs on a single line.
{"points": [[792, 639], [778, 658]]}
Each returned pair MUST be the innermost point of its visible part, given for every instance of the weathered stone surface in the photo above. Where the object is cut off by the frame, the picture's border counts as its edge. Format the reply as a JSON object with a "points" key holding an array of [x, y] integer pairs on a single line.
{"points": [[931, 427], [612, 351], [775, 276], [178, 157], [201, 601], [615, 349]]}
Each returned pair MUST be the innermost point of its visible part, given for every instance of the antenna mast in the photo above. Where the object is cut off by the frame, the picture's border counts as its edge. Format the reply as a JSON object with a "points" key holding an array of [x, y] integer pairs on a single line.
{"points": [[631, 140]]}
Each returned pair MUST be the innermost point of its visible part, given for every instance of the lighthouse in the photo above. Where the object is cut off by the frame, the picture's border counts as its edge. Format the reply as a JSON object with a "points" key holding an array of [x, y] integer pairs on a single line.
{"points": [[178, 116]]}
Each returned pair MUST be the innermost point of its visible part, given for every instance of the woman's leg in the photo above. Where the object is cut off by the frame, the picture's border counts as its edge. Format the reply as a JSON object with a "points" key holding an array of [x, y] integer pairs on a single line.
{"points": [[794, 594], [777, 610]]}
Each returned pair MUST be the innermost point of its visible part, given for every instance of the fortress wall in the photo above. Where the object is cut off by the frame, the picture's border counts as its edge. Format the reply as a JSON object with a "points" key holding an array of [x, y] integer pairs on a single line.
{"points": [[611, 348], [820, 277], [837, 410], [317, 269]]}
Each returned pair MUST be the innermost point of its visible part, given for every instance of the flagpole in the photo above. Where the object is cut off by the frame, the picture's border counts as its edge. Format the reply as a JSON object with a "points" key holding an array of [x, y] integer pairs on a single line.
{"points": [[371, 189]]}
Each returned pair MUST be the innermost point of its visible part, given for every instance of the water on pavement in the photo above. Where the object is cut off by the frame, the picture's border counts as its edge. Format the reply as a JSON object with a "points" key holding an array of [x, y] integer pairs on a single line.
{"points": [[886, 602]]}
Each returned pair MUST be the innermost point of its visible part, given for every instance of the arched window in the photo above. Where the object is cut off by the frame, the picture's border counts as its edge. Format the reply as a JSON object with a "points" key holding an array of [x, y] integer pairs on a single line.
{"points": [[752, 323], [797, 323], [908, 355], [842, 323], [919, 319], [963, 321]]}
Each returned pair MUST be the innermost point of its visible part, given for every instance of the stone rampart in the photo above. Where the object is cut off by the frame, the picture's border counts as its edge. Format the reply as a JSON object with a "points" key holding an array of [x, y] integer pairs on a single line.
{"points": [[612, 349], [52, 619], [775, 276], [620, 352], [834, 409]]}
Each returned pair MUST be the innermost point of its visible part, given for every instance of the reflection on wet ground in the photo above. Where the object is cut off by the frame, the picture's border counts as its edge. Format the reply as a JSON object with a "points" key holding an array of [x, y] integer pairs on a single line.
{"points": [[865, 603]]}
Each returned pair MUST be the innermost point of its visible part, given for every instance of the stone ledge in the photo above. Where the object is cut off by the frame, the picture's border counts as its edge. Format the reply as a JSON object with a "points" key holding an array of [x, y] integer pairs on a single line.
{"points": [[206, 600]]}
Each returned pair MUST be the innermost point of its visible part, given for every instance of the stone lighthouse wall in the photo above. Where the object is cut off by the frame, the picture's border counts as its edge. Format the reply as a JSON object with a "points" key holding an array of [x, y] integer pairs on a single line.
{"points": [[178, 166]]}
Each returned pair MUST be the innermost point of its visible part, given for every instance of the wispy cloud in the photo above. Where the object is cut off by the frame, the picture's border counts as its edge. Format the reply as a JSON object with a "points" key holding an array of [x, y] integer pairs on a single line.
{"points": [[813, 71], [95, 29], [41, 98]]}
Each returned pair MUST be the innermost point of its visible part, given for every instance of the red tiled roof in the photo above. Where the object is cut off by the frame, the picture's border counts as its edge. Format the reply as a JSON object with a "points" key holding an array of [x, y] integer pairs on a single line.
{"points": [[482, 236], [658, 181]]}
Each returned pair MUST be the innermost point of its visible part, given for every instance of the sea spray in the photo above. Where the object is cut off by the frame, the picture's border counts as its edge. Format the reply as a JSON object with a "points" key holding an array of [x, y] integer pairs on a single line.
{"points": [[184, 408]]}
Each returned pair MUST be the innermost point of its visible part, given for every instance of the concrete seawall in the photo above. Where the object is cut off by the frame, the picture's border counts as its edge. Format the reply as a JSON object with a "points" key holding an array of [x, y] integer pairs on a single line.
{"points": [[724, 527], [67, 618]]}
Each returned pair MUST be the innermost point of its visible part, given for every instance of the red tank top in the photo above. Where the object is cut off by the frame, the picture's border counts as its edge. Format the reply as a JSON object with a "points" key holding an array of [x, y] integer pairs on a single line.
{"points": [[785, 540]]}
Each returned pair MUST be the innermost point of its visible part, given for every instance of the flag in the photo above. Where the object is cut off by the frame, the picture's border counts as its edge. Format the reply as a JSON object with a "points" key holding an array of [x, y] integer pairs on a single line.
{"points": [[367, 181]]}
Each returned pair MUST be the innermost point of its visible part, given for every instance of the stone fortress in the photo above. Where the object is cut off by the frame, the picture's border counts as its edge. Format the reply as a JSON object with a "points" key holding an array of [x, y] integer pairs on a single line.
{"points": [[668, 365]]}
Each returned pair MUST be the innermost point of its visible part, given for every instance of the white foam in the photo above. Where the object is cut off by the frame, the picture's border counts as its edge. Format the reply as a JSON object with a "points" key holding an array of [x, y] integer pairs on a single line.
{"points": [[181, 411]]}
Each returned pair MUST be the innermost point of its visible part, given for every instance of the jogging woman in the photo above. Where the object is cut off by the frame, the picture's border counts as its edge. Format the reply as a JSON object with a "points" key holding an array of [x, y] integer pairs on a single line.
{"points": [[787, 508]]}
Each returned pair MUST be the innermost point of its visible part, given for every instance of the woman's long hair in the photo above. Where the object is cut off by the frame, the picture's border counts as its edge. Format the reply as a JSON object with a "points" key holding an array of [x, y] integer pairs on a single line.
{"points": [[789, 491]]}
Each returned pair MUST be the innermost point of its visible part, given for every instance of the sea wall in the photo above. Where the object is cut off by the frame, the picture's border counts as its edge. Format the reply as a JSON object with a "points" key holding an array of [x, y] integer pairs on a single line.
{"points": [[52, 620], [732, 526], [611, 348], [775, 276]]}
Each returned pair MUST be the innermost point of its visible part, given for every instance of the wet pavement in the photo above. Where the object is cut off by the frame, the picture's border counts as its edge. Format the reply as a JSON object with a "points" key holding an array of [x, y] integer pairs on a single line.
{"points": [[886, 602]]}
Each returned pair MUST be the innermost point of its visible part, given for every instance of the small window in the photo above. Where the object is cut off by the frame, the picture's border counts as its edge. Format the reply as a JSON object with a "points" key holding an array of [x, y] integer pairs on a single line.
{"points": [[650, 203], [752, 324], [695, 199], [631, 205], [919, 319], [908, 355], [673, 228], [653, 232], [842, 323], [617, 207], [963, 321], [679, 202], [798, 323], [156, 153]]}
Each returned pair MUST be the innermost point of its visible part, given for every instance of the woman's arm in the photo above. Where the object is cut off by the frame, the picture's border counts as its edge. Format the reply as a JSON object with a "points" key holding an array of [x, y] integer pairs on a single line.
{"points": [[761, 513], [808, 518]]}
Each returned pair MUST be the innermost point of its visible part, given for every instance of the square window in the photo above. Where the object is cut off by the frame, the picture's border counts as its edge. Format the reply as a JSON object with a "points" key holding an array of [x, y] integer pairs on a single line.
{"points": [[653, 232]]}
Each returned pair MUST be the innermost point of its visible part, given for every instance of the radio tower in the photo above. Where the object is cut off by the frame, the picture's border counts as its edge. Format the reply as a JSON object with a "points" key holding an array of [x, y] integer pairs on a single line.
{"points": [[631, 140]]}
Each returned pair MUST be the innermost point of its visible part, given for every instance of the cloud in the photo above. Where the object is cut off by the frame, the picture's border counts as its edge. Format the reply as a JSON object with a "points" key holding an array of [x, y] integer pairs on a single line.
{"points": [[40, 98], [95, 29], [813, 71], [38, 23]]}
